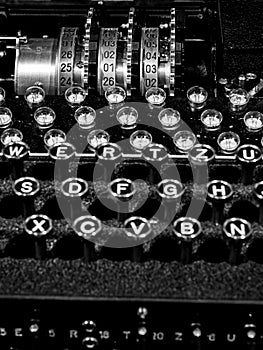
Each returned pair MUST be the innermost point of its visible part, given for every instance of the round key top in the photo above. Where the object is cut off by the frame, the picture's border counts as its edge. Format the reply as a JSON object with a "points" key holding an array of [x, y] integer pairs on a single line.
{"points": [[187, 229], [200, 156], [73, 189], [140, 139], [87, 227], [170, 191], [218, 192], [54, 136], [107, 154], [137, 230], [38, 226], [253, 121], [249, 156], [109, 151], [61, 153], [169, 119], [16, 150], [184, 140], [27, 188], [11, 135], [237, 231], [137, 227], [155, 152], [123, 190], [16, 153], [97, 138], [211, 119]]}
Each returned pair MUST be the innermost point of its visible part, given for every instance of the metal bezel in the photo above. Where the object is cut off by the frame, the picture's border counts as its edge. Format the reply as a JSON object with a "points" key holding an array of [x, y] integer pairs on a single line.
{"points": [[249, 161], [76, 179], [22, 155], [88, 217], [32, 217], [26, 178], [201, 161], [222, 182], [236, 238], [132, 218], [191, 236], [61, 144], [155, 145], [115, 145], [167, 181], [121, 195]]}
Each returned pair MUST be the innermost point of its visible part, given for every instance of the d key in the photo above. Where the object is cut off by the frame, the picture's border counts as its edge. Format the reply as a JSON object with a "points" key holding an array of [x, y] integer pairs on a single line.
{"points": [[73, 189]]}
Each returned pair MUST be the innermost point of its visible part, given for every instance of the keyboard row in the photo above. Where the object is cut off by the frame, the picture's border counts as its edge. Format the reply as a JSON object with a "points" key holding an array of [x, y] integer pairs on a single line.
{"points": [[185, 240], [237, 97], [176, 124], [138, 142], [128, 117], [122, 197], [109, 161]]}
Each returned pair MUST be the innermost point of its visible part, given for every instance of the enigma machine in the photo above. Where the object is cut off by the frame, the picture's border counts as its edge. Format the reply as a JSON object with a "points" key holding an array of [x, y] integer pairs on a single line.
{"points": [[131, 175]]}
